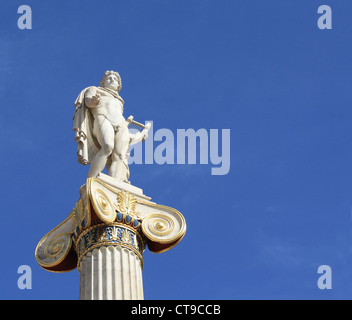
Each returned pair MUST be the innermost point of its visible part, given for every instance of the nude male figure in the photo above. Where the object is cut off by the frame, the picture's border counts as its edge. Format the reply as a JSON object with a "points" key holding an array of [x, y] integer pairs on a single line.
{"points": [[110, 129]]}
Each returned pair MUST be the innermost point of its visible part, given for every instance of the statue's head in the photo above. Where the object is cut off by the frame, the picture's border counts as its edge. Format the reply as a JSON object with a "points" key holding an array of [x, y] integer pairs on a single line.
{"points": [[111, 80]]}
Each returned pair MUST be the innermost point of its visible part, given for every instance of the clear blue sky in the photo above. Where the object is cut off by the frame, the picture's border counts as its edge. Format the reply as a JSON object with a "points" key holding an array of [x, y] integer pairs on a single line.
{"points": [[260, 68]]}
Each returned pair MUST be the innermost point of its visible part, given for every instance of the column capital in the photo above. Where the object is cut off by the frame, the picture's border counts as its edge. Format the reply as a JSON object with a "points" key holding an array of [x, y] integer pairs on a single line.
{"points": [[110, 213]]}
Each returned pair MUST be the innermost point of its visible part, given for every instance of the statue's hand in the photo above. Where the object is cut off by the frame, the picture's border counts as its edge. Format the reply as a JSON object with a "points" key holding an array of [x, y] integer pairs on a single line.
{"points": [[96, 98], [145, 131], [147, 126]]}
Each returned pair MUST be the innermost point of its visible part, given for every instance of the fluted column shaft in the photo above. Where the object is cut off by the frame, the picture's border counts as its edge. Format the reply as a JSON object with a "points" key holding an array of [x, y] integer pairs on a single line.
{"points": [[110, 262], [111, 273]]}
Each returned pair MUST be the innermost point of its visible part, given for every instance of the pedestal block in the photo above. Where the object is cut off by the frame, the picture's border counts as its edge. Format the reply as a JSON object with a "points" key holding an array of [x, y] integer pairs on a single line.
{"points": [[105, 236]]}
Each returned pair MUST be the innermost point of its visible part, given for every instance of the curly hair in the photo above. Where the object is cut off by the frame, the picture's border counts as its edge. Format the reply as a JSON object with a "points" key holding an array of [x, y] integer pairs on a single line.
{"points": [[108, 73]]}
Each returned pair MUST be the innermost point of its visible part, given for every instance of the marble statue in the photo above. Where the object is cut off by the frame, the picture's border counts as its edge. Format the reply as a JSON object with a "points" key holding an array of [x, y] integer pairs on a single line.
{"points": [[101, 131]]}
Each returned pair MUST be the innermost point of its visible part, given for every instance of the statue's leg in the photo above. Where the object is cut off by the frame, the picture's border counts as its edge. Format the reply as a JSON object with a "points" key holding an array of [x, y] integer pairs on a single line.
{"points": [[105, 135], [119, 168]]}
